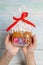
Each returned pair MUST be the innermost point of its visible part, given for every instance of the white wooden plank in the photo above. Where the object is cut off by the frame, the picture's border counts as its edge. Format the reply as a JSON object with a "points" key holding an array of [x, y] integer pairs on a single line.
{"points": [[1, 52], [39, 57]]}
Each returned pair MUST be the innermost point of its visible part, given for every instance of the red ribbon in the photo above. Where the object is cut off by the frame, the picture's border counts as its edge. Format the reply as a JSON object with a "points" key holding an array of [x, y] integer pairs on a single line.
{"points": [[23, 16]]}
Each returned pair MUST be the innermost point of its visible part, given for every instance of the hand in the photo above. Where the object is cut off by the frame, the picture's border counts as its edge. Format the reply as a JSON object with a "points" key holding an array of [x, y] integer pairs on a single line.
{"points": [[31, 47], [9, 47]]}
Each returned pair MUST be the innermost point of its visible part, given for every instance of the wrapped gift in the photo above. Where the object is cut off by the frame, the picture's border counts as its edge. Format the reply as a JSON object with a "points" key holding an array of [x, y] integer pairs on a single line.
{"points": [[21, 30]]}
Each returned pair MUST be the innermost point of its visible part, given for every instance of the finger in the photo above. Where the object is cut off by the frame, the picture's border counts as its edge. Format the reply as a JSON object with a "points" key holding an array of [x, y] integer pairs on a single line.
{"points": [[34, 40], [7, 38]]}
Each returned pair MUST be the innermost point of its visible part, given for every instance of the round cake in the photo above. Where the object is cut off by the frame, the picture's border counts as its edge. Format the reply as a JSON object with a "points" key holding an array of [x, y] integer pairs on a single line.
{"points": [[21, 38]]}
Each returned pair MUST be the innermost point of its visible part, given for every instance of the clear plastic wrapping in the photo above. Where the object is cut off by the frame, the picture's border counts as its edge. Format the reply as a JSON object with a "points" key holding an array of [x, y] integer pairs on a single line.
{"points": [[21, 30]]}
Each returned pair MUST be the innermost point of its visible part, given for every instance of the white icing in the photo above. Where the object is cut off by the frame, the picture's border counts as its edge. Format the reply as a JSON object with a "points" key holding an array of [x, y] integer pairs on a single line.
{"points": [[21, 26]]}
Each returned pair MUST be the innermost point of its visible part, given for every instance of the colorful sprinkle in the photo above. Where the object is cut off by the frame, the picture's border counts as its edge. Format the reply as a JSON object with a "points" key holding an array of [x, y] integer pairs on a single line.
{"points": [[20, 41], [15, 40]]}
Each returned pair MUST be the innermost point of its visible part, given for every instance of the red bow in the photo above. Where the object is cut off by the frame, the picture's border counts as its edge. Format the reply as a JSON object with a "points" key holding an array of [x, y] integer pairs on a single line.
{"points": [[24, 14]]}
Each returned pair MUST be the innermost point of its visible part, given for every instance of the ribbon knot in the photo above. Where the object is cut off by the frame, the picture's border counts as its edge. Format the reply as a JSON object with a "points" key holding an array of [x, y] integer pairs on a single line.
{"points": [[23, 16]]}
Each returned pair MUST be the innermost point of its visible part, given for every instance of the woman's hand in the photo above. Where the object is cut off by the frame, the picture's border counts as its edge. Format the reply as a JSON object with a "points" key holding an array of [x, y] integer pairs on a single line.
{"points": [[9, 46], [31, 47], [29, 52], [9, 53]]}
